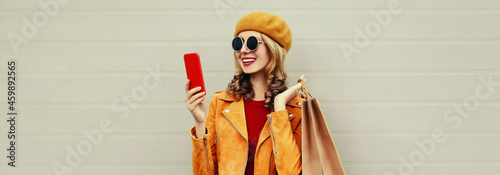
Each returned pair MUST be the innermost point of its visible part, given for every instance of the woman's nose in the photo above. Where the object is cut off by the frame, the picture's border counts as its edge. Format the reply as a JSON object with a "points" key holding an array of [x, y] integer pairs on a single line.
{"points": [[244, 49]]}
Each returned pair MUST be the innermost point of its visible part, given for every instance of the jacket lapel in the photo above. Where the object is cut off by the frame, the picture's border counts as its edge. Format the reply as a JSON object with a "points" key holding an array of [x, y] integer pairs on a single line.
{"points": [[266, 131], [235, 114]]}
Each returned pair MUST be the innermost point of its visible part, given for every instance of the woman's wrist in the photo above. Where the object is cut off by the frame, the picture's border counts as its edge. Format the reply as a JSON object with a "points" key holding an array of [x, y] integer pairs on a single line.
{"points": [[279, 104], [200, 129]]}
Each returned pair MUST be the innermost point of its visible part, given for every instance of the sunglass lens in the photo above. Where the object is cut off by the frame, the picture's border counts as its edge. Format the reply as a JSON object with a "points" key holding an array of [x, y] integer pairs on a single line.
{"points": [[252, 43], [237, 44]]}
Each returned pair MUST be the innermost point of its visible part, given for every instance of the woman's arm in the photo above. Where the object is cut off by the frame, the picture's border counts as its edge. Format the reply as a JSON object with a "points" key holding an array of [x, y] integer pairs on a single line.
{"points": [[197, 104], [286, 140], [203, 133]]}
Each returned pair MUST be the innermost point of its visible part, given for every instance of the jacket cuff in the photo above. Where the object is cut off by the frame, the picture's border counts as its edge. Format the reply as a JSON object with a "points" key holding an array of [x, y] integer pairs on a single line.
{"points": [[280, 117], [193, 134]]}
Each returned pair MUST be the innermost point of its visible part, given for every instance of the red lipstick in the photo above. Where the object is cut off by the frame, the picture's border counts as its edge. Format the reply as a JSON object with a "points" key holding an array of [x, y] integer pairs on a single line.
{"points": [[247, 61]]}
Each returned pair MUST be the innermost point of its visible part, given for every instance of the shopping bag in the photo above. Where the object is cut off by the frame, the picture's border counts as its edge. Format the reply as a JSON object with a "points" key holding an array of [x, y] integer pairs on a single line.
{"points": [[319, 154]]}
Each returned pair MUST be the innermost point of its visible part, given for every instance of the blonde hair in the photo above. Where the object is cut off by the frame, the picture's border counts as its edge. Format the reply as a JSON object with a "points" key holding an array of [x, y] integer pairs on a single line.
{"points": [[240, 86]]}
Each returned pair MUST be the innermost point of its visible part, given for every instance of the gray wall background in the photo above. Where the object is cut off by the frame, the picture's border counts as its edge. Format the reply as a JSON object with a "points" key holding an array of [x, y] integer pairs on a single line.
{"points": [[413, 99]]}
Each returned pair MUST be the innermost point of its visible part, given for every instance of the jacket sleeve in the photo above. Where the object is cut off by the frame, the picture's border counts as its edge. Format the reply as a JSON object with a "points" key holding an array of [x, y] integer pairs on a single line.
{"points": [[287, 142], [204, 148]]}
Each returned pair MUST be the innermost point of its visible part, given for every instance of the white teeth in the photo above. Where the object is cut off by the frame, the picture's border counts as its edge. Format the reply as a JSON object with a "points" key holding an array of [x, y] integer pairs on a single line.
{"points": [[248, 60]]}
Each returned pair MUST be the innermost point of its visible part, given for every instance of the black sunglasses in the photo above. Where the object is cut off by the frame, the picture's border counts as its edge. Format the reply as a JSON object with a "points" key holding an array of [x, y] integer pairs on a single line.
{"points": [[252, 43]]}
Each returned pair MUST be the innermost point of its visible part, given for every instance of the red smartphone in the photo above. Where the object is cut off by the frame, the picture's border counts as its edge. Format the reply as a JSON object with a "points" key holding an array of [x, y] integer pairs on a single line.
{"points": [[193, 71]]}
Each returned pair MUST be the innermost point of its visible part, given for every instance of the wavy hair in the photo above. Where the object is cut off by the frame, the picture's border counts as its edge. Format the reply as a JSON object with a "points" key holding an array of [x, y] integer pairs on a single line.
{"points": [[240, 86]]}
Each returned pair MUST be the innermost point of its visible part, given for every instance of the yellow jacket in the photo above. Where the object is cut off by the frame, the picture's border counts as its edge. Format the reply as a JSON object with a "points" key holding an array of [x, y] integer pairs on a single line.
{"points": [[224, 149]]}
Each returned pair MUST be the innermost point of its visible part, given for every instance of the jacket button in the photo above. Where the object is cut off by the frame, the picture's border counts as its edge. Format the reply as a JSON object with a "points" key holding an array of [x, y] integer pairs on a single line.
{"points": [[290, 115], [223, 96], [227, 110], [298, 103]]}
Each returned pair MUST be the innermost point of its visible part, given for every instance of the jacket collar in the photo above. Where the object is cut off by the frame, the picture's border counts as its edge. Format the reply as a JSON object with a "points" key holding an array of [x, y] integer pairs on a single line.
{"points": [[234, 112], [295, 102]]}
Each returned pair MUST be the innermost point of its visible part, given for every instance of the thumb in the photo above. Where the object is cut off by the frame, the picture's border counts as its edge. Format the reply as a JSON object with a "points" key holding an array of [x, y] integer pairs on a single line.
{"points": [[297, 86]]}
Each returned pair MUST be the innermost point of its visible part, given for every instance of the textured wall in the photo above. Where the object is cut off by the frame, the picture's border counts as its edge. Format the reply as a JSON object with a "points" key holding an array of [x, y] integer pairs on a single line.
{"points": [[409, 87]]}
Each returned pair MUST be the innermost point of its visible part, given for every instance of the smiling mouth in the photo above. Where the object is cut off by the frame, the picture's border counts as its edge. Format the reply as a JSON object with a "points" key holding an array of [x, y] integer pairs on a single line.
{"points": [[248, 61]]}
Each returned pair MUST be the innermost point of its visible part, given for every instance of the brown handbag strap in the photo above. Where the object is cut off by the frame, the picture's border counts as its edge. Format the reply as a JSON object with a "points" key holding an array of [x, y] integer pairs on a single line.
{"points": [[305, 89]]}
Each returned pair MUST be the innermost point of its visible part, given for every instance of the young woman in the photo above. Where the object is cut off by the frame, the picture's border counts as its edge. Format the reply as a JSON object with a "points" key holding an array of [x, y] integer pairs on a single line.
{"points": [[254, 126]]}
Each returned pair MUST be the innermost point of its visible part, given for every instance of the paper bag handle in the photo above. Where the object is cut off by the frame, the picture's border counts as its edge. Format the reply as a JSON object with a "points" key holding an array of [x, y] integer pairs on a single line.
{"points": [[305, 89]]}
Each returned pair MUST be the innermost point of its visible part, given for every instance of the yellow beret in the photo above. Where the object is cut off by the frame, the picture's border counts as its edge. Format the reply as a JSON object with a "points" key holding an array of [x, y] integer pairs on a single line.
{"points": [[269, 24]]}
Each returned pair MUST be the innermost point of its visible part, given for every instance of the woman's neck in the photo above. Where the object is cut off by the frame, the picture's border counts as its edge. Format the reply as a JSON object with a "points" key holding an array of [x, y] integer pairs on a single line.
{"points": [[258, 81]]}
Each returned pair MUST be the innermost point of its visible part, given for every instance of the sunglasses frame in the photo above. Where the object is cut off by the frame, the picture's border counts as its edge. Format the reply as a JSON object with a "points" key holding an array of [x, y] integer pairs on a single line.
{"points": [[245, 43]]}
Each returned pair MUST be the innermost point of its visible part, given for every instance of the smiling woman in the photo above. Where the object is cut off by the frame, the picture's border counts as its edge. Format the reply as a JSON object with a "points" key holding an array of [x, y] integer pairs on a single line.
{"points": [[246, 57], [257, 113]]}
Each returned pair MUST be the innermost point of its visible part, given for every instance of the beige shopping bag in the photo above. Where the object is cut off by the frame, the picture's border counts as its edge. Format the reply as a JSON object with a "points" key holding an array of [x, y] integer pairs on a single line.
{"points": [[319, 154]]}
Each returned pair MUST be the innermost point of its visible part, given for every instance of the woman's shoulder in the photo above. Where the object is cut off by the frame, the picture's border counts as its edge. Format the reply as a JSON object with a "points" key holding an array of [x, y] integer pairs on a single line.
{"points": [[220, 93], [223, 95]]}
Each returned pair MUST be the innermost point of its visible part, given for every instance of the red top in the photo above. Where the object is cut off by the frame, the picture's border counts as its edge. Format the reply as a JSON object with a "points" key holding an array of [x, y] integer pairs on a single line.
{"points": [[256, 117]]}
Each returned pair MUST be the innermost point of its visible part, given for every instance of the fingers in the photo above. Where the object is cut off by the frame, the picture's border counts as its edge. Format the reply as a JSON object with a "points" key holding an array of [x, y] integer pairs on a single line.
{"points": [[187, 85], [193, 91], [191, 98], [195, 97], [301, 80], [195, 103], [297, 86], [195, 100]]}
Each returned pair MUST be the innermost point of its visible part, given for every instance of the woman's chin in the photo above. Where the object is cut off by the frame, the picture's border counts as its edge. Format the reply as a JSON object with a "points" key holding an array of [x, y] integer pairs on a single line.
{"points": [[248, 71]]}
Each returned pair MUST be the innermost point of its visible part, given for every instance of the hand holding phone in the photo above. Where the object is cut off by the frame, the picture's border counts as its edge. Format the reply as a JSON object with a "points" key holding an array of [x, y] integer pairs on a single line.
{"points": [[193, 71], [196, 103]]}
